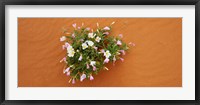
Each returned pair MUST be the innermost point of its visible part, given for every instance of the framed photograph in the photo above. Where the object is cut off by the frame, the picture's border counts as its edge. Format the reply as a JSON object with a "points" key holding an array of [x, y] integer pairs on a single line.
{"points": [[124, 52]]}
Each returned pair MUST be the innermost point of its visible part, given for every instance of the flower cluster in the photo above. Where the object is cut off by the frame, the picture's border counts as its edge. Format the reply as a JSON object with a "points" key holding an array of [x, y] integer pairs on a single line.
{"points": [[88, 51]]}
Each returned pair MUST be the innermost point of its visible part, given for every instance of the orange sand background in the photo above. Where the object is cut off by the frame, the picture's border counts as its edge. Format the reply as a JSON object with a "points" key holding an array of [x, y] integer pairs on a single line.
{"points": [[155, 61]]}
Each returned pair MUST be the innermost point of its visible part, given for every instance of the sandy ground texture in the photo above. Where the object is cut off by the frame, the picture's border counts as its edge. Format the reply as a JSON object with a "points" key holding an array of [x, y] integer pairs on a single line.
{"points": [[155, 61]]}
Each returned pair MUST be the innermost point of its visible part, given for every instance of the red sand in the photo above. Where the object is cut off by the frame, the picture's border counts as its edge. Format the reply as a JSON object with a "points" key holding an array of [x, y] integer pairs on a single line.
{"points": [[155, 61]]}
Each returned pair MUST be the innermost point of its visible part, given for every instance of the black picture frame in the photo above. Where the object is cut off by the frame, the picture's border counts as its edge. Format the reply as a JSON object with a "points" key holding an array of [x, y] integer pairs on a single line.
{"points": [[3, 3]]}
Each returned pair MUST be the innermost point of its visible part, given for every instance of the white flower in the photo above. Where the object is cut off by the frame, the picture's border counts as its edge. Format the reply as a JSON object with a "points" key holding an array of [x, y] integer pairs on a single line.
{"points": [[122, 59], [102, 51], [73, 35], [119, 42], [70, 51], [90, 35], [83, 76], [107, 54], [84, 46], [71, 54], [95, 47], [88, 29], [80, 58], [73, 81], [69, 48], [63, 38], [120, 35], [66, 70], [91, 77], [90, 43], [98, 39], [74, 25], [68, 73], [106, 60], [106, 28], [67, 44], [92, 63]]}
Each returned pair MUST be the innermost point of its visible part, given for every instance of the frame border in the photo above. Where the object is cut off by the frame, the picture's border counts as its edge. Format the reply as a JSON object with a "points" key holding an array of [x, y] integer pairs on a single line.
{"points": [[3, 3]]}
